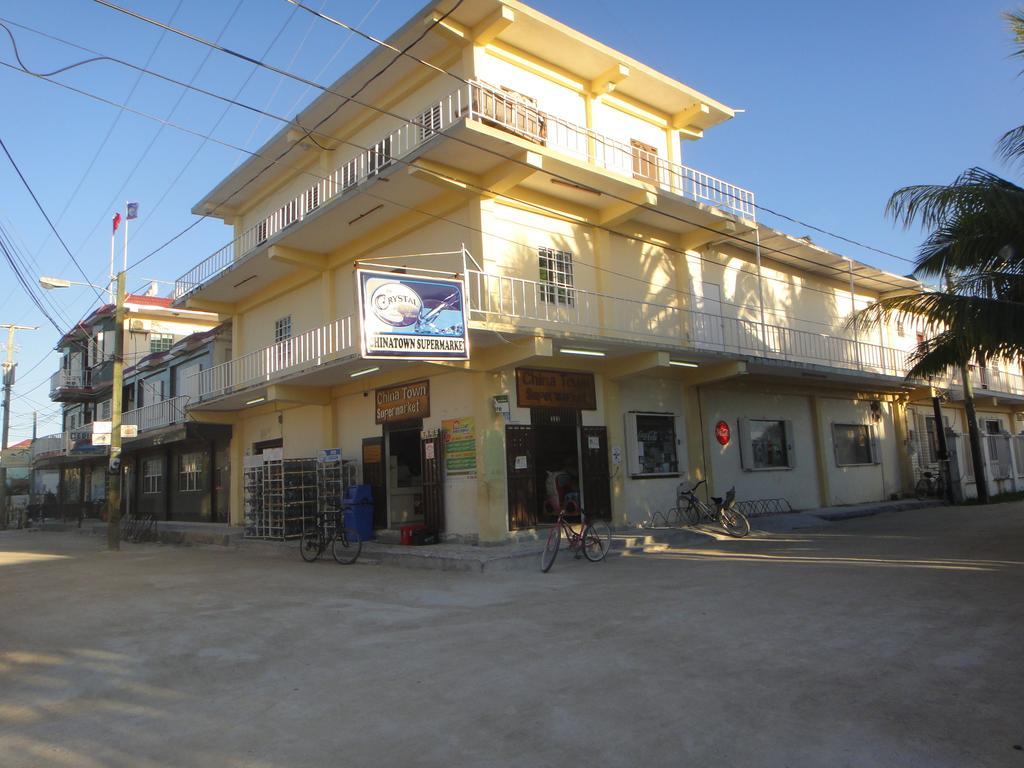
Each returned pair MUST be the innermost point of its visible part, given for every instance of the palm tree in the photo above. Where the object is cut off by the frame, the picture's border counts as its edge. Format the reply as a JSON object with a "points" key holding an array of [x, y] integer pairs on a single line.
{"points": [[976, 249]]}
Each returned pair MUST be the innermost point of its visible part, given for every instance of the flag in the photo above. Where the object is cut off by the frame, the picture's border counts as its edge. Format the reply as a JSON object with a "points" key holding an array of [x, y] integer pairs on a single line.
{"points": [[117, 221], [132, 211]]}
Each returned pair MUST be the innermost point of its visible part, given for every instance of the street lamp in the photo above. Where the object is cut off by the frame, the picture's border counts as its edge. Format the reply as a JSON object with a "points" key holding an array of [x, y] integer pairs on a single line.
{"points": [[49, 283], [114, 467]]}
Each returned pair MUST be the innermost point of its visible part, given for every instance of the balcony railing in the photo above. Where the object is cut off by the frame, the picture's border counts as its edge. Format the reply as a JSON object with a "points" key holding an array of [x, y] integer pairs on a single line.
{"points": [[64, 379], [64, 443], [515, 301], [156, 415], [499, 108], [310, 349]]}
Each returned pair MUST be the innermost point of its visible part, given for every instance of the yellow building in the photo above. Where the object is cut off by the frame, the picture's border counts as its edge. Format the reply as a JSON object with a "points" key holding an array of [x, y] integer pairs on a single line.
{"points": [[628, 320]]}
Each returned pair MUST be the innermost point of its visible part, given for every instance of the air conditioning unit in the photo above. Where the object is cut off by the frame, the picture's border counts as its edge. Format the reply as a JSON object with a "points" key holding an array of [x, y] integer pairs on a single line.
{"points": [[139, 326]]}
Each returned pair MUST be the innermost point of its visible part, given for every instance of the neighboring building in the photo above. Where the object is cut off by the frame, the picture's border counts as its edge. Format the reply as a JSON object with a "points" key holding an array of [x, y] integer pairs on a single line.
{"points": [[628, 318], [162, 346], [17, 459]]}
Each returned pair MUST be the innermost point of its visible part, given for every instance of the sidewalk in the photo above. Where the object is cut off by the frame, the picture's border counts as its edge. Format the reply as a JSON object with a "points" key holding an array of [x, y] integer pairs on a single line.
{"points": [[515, 555]]}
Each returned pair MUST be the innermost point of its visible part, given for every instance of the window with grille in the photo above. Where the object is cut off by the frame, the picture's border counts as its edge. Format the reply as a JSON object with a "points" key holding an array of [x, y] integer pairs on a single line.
{"points": [[429, 122], [283, 329], [189, 468], [313, 197], [105, 410], [152, 476], [160, 342], [289, 213], [261, 231], [556, 282], [379, 156]]}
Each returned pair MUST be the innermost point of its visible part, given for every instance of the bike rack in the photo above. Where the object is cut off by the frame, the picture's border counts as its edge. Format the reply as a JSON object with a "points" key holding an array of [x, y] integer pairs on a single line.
{"points": [[763, 507]]}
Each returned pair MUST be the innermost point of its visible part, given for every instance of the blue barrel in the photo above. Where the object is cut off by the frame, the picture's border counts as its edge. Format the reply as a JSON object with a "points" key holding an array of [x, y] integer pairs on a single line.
{"points": [[358, 494], [360, 517]]}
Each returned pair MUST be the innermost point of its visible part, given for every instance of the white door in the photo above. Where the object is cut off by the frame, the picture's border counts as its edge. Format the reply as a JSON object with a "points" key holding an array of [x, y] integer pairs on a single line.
{"points": [[708, 328]]}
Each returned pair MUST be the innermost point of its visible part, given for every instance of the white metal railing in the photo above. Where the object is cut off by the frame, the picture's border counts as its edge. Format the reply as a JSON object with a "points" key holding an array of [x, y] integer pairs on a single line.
{"points": [[65, 379], [494, 107], [991, 379], [517, 301], [63, 443], [312, 348], [156, 415]]}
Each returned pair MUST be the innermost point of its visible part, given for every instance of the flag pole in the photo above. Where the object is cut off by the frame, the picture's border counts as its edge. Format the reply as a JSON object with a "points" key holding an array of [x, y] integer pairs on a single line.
{"points": [[110, 274], [126, 219]]}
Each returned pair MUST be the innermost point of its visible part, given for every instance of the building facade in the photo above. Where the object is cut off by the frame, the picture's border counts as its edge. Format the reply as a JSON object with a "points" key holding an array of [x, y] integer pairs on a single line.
{"points": [[629, 320], [163, 347]]}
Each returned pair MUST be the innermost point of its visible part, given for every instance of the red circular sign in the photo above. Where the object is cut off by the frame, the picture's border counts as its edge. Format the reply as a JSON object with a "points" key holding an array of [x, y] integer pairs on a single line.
{"points": [[722, 433]]}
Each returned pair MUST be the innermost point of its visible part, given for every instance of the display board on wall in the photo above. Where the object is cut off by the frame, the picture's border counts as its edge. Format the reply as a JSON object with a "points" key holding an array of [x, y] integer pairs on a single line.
{"points": [[407, 317], [401, 403], [460, 446], [537, 388]]}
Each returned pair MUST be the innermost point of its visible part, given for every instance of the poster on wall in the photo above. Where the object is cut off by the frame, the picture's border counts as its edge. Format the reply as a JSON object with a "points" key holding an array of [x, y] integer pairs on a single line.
{"points": [[460, 446], [408, 317]]}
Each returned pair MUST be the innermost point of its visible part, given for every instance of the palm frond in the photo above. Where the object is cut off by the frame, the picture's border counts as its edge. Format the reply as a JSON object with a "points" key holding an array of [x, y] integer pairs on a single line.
{"points": [[1010, 146]]}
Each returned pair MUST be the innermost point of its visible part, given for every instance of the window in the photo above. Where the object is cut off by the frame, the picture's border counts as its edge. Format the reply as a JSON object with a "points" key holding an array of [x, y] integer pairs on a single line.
{"points": [[189, 468], [556, 276], [993, 427], [766, 444], [160, 342], [920, 338], [105, 410], [651, 442], [379, 156], [645, 161], [313, 197], [152, 476], [261, 232], [429, 122], [283, 329], [854, 444], [900, 330], [289, 213]]}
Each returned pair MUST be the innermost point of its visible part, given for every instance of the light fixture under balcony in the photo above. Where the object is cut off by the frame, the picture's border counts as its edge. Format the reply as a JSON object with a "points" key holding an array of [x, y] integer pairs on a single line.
{"points": [[363, 372], [582, 352], [682, 364], [256, 401]]}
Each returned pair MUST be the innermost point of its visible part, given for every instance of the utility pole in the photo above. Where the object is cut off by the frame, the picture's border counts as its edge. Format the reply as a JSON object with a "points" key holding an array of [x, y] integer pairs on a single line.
{"points": [[114, 467], [8, 369]]}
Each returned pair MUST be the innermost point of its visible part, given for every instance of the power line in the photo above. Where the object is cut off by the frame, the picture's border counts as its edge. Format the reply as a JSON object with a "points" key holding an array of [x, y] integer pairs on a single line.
{"points": [[544, 209], [404, 52]]}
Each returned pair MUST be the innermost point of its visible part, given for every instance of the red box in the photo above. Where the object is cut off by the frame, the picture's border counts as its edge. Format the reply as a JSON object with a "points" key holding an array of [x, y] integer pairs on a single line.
{"points": [[406, 532]]}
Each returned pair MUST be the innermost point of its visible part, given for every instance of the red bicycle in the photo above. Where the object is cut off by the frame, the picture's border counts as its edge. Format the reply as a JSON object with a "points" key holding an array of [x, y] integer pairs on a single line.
{"points": [[592, 540]]}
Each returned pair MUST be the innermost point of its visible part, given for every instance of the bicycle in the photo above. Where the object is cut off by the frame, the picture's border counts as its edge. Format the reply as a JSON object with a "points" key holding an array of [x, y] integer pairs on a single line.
{"points": [[592, 540], [696, 511], [930, 485], [346, 543]]}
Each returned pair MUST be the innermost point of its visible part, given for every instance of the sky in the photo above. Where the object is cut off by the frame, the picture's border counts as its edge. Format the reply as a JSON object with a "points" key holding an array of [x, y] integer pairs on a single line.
{"points": [[842, 104]]}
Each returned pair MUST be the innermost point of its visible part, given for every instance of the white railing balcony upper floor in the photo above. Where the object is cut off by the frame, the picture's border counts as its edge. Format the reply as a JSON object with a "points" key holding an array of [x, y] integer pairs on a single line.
{"points": [[156, 415], [493, 107], [64, 443], [65, 379]]}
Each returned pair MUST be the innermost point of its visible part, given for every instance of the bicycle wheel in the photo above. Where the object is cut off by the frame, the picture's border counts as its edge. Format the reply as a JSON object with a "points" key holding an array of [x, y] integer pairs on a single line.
{"points": [[922, 489], [347, 545], [940, 488], [311, 545], [734, 522], [692, 514], [597, 540], [547, 557]]}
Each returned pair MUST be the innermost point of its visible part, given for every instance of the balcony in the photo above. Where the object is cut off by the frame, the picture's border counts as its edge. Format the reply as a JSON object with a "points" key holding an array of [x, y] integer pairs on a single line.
{"points": [[72, 442], [515, 305], [81, 385], [497, 109], [157, 415], [64, 380]]}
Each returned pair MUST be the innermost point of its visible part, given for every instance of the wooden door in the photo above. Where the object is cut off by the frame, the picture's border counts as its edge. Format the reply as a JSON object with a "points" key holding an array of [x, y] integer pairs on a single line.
{"points": [[520, 461], [375, 476], [432, 462], [645, 161], [596, 479]]}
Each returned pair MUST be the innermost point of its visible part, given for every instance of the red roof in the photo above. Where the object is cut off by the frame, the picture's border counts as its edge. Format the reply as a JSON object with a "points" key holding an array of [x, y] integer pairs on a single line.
{"points": [[22, 444], [153, 301]]}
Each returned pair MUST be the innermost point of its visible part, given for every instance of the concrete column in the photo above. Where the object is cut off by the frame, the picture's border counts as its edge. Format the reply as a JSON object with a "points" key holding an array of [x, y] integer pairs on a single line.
{"points": [[821, 451], [236, 503], [491, 489], [899, 419], [614, 421], [698, 467], [602, 257]]}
